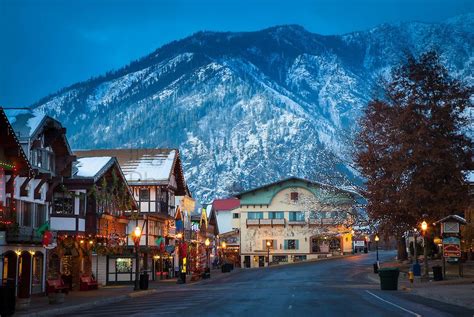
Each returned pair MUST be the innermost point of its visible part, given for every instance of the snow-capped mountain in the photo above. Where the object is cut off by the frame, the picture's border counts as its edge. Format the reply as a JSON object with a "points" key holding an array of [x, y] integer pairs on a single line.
{"points": [[249, 108]]}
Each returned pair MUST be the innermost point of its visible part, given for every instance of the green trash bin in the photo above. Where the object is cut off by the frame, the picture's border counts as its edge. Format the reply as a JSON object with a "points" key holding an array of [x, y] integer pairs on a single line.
{"points": [[389, 278]]}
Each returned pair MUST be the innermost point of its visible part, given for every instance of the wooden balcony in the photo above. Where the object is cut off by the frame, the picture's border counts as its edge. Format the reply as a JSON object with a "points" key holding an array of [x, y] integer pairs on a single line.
{"points": [[23, 235], [297, 222]]}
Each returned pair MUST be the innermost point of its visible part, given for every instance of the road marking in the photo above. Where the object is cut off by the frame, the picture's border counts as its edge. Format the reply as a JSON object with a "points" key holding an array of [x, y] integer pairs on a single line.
{"points": [[400, 307]]}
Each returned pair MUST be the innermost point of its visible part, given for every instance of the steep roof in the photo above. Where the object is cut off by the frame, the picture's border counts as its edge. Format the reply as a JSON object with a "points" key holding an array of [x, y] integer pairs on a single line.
{"points": [[25, 121], [12, 148], [29, 123], [145, 166], [92, 167], [225, 204]]}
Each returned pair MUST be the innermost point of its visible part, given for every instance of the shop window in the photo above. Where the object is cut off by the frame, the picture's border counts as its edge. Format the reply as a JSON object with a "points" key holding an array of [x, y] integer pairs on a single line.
{"points": [[123, 265], [280, 258], [298, 258]]}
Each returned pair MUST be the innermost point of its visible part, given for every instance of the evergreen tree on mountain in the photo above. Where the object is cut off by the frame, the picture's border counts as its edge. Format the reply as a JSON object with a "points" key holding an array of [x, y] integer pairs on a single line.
{"points": [[412, 149]]}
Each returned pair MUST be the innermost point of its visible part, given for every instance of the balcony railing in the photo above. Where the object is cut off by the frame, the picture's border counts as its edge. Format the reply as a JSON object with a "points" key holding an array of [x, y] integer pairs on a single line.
{"points": [[23, 235], [265, 222]]}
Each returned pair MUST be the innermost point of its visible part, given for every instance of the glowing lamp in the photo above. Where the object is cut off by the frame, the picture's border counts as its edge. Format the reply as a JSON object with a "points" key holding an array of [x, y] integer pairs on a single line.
{"points": [[207, 242], [424, 226], [137, 232]]}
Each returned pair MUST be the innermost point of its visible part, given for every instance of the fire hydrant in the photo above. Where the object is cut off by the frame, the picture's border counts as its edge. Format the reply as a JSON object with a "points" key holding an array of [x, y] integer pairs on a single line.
{"points": [[411, 276]]}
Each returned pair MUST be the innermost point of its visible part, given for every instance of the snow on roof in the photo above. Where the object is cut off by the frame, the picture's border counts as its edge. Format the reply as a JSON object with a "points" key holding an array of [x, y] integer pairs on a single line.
{"points": [[140, 165], [91, 166], [150, 167], [24, 121], [470, 177]]}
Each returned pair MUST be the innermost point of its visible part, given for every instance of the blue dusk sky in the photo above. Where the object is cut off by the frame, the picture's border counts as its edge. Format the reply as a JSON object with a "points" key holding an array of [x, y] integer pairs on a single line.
{"points": [[47, 45]]}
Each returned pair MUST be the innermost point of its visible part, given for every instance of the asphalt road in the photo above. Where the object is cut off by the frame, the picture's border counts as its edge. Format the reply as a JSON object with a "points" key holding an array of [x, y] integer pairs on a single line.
{"points": [[336, 287]]}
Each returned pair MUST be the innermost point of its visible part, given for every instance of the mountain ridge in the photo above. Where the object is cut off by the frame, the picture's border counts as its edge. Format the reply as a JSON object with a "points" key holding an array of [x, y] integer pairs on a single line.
{"points": [[247, 108]]}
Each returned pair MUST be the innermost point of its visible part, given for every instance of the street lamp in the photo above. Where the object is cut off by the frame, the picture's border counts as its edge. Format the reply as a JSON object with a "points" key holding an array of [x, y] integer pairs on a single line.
{"points": [[137, 233], [377, 248], [223, 245], [207, 243], [268, 252], [424, 228]]}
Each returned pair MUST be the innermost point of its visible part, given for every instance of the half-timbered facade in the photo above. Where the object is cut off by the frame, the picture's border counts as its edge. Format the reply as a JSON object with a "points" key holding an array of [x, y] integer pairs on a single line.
{"points": [[44, 143], [156, 179]]}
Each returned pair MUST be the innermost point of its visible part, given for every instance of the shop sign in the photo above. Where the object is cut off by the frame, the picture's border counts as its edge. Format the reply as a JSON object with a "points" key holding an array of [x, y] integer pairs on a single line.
{"points": [[452, 247], [359, 243]]}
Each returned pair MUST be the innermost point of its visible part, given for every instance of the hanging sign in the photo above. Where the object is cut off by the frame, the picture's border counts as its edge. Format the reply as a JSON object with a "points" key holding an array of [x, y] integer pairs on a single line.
{"points": [[452, 247]]}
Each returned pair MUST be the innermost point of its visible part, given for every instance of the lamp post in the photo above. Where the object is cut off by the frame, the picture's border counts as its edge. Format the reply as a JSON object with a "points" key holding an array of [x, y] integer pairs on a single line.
{"points": [[268, 252], [223, 245], [424, 227], [137, 233], [377, 248], [180, 258], [207, 243]]}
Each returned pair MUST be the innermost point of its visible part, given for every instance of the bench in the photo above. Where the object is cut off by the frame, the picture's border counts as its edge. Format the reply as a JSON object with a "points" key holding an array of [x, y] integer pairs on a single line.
{"points": [[56, 286], [87, 283]]}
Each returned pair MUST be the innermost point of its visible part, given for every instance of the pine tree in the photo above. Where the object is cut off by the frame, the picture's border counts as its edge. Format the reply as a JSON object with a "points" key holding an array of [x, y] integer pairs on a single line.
{"points": [[412, 150]]}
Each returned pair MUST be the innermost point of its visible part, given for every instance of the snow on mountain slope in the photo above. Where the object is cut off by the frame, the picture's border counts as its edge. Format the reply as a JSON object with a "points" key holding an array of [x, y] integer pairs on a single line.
{"points": [[249, 108]]}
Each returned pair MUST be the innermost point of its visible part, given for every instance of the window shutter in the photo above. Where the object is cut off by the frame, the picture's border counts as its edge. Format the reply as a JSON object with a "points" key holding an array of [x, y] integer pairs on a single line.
{"points": [[274, 244], [297, 244], [264, 244], [286, 245]]}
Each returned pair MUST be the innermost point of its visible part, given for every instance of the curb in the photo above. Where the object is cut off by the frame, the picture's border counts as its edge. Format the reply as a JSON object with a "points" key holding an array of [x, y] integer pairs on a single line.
{"points": [[74, 308]]}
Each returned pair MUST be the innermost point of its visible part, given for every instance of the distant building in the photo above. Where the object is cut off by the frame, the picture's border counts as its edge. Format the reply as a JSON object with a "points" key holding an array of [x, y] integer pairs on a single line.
{"points": [[223, 209], [293, 220]]}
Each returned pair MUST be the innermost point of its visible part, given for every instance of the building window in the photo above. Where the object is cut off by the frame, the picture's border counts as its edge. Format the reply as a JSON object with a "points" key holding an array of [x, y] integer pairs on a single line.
{"points": [[123, 265], [255, 215], [40, 215], [296, 216], [63, 204], [25, 214], [299, 258], [144, 195], [273, 244], [291, 244], [294, 196], [235, 215], [82, 204], [280, 258], [276, 215], [43, 158]]}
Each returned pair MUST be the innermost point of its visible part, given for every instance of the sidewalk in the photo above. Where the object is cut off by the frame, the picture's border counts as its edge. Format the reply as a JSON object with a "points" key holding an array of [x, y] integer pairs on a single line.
{"points": [[452, 290], [77, 300]]}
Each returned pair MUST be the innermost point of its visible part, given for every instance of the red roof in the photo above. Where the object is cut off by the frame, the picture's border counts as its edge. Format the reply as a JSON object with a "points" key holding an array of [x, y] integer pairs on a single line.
{"points": [[225, 204]]}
